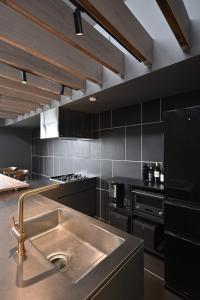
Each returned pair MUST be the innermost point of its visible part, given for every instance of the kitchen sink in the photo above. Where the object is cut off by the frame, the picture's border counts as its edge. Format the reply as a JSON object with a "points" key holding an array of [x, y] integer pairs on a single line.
{"points": [[74, 245]]}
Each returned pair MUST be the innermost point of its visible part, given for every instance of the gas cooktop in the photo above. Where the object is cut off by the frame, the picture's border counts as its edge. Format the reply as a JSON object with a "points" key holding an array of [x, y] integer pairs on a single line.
{"points": [[68, 178]]}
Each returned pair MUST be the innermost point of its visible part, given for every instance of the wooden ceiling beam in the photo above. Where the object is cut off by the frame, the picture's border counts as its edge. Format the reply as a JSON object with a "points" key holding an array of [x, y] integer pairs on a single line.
{"points": [[19, 102], [9, 72], [118, 20], [21, 95], [177, 17], [23, 60], [13, 108], [57, 17], [7, 115], [22, 33], [29, 90]]}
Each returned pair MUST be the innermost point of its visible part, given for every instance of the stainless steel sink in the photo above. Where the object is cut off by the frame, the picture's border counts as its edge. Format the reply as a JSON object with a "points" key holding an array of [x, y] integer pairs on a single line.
{"points": [[72, 243]]}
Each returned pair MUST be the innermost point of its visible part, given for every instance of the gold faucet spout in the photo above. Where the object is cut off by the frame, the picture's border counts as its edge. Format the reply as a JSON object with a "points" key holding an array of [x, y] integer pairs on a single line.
{"points": [[18, 228]]}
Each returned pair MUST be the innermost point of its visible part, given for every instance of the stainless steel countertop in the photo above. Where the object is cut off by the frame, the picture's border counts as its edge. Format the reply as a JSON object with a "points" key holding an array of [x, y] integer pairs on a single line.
{"points": [[35, 277]]}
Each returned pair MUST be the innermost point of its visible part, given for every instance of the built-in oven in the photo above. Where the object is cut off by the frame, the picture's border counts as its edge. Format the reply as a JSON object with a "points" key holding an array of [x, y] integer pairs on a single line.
{"points": [[148, 203]]}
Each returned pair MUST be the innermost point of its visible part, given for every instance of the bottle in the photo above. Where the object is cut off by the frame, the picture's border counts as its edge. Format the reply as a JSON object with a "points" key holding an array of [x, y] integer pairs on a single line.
{"points": [[150, 174], [162, 175], [157, 174], [145, 172]]}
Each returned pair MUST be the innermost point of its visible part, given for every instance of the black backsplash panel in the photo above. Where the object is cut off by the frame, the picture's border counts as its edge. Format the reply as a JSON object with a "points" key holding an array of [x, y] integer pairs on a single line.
{"points": [[123, 139]]}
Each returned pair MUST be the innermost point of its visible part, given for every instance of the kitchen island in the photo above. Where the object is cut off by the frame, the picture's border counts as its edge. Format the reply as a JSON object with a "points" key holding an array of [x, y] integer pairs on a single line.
{"points": [[120, 273]]}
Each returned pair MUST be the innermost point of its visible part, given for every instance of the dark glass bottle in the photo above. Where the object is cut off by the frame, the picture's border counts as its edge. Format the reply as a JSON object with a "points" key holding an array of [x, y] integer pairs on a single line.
{"points": [[162, 175], [157, 174], [145, 172], [150, 174]]}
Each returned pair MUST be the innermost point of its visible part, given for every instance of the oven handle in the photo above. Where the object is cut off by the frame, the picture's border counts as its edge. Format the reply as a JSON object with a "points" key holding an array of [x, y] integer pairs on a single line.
{"points": [[147, 194]]}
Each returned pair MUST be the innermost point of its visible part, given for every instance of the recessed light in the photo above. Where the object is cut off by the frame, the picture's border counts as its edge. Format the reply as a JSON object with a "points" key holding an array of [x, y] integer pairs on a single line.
{"points": [[92, 99]]}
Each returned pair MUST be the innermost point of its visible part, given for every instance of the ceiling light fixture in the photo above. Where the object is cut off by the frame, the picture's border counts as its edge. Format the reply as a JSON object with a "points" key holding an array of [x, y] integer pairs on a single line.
{"points": [[62, 90], [23, 75], [92, 99], [78, 22]]}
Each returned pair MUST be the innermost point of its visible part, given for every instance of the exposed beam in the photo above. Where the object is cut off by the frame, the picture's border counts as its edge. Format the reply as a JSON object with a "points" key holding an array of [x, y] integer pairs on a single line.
{"points": [[7, 115], [19, 102], [23, 60], [57, 17], [177, 17], [22, 33], [28, 97], [13, 108], [29, 90], [9, 72], [118, 20]]}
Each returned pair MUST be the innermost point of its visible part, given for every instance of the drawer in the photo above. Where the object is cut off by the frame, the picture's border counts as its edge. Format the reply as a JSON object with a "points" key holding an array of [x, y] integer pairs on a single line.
{"points": [[120, 221]]}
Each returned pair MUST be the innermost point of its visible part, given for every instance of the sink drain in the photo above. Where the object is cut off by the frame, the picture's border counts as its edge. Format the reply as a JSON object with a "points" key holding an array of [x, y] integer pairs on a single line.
{"points": [[60, 260]]}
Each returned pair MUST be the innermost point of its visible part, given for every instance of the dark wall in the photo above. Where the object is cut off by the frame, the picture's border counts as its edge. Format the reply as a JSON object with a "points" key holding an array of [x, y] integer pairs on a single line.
{"points": [[15, 148], [125, 138]]}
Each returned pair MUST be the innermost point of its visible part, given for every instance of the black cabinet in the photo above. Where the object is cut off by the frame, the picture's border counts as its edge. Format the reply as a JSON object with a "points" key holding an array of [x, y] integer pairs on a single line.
{"points": [[79, 195], [75, 124], [120, 221]]}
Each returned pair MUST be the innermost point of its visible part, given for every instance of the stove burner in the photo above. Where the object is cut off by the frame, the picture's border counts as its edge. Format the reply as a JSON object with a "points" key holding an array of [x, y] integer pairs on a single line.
{"points": [[68, 178]]}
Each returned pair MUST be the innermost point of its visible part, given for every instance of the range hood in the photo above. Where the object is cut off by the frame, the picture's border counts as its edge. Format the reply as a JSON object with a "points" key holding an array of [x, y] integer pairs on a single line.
{"points": [[60, 122]]}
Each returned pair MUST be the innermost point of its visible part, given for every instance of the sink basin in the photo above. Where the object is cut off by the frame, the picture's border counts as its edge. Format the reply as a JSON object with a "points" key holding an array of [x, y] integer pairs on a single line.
{"points": [[72, 243]]}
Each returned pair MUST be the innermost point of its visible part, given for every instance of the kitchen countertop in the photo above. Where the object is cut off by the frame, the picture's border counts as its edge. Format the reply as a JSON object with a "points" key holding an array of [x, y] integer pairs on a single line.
{"points": [[7, 183], [35, 277], [138, 183]]}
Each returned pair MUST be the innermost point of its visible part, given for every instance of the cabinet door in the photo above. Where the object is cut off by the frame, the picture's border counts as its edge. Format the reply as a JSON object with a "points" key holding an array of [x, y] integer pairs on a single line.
{"points": [[84, 202], [182, 266], [120, 221]]}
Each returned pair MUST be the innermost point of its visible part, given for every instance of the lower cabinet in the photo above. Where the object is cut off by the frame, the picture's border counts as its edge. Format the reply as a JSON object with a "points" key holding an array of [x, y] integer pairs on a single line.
{"points": [[120, 221], [79, 195], [150, 232]]}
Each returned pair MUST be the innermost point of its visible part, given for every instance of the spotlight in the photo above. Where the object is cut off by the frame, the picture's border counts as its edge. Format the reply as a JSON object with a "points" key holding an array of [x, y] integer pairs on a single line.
{"points": [[78, 22], [23, 75], [92, 99]]}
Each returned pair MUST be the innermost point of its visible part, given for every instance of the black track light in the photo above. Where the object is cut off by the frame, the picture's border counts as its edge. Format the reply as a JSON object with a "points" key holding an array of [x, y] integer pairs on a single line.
{"points": [[78, 22], [23, 75], [62, 90]]}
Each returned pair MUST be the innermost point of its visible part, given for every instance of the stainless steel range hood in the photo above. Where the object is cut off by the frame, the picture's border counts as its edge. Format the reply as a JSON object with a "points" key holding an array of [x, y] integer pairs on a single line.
{"points": [[60, 122]]}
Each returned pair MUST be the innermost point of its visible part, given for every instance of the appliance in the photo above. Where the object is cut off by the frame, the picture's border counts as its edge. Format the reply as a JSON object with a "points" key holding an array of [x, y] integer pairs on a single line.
{"points": [[117, 194], [68, 178], [60, 122], [148, 203], [182, 201]]}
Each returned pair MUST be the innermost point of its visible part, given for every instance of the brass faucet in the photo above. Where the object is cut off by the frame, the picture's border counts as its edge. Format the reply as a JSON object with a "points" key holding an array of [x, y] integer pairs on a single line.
{"points": [[18, 228]]}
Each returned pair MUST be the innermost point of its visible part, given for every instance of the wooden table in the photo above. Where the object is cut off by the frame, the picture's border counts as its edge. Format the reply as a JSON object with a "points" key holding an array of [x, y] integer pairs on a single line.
{"points": [[8, 183]]}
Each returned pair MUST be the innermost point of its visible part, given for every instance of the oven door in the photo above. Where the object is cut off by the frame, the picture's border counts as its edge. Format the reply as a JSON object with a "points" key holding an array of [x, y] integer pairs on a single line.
{"points": [[148, 203]]}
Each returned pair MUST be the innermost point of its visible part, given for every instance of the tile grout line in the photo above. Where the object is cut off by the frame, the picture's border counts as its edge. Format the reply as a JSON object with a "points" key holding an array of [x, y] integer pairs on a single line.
{"points": [[99, 167]]}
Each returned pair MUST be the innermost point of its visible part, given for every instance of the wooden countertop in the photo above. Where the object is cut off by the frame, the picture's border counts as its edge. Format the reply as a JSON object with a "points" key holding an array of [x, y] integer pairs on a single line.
{"points": [[8, 183]]}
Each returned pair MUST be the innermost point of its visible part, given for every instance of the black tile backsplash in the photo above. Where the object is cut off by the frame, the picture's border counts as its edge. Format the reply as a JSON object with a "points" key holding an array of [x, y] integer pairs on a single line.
{"points": [[152, 142], [121, 142], [133, 143], [113, 143]]}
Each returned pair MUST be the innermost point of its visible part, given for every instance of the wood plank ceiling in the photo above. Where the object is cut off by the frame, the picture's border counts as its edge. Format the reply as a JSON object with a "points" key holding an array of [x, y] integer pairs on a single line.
{"points": [[38, 37]]}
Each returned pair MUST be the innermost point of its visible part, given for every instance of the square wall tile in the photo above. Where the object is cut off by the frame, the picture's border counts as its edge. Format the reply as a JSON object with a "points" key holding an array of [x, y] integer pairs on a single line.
{"points": [[63, 148], [56, 167], [106, 172], [95, 147], [133, 143], [151, 111], [98, 202], [66, 166], [113, 143], [48, 166], [153, 142], [104, 204], [127, 169], [81, 148], [129, 115]]}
